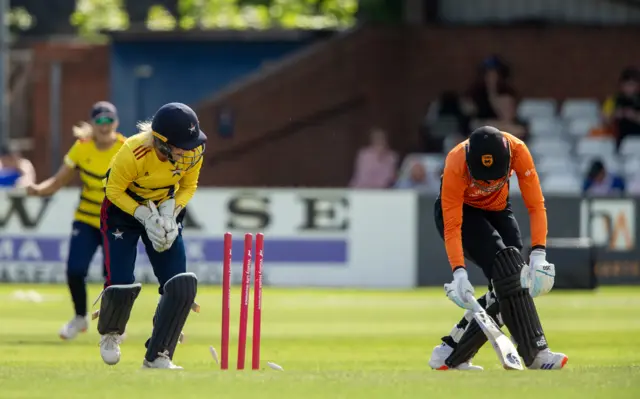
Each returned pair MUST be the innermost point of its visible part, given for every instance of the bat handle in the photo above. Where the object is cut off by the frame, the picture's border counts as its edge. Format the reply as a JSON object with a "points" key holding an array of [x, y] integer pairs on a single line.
{"points": [[476, 306]]}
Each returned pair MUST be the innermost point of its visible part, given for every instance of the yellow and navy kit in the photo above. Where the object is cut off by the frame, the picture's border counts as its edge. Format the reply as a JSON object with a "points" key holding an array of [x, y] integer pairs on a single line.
{"points": [[136, 175], [92, 163]]}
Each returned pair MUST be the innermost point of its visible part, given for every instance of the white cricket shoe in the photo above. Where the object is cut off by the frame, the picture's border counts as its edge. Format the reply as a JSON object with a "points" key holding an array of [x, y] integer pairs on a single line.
{"points": [[161, 362], [110, 348], [441, 353], [75, 326], [547, 360]]}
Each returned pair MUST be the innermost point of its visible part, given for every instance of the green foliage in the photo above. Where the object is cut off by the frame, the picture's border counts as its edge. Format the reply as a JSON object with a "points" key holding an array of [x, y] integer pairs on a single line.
{"points": [[92, 16]]}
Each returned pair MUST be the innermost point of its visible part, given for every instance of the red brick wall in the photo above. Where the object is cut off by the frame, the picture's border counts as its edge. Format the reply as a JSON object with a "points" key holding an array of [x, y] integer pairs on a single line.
{"points": [[85, 80], [398, 72], [391, 74]]}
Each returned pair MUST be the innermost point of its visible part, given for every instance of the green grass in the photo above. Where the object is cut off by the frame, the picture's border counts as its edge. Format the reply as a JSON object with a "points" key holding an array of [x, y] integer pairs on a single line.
{"points": [[331, 343]]}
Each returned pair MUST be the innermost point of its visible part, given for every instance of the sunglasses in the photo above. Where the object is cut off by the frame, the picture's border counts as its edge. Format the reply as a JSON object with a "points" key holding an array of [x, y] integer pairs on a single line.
{"points": [[104, 121]]}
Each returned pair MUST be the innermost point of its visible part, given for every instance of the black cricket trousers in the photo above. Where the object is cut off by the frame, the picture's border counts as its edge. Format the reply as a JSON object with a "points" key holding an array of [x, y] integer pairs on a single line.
{"points": [[484, 233]]}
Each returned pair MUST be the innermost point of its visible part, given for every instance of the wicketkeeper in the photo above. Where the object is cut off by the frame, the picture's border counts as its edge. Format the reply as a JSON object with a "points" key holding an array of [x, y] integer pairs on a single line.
{"points": [[149, 183], [474, 217]]}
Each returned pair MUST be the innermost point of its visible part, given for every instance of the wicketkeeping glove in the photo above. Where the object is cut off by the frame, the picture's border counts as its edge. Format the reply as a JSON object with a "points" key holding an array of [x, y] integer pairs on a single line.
{"points": [[153, 224], [169, 212]]}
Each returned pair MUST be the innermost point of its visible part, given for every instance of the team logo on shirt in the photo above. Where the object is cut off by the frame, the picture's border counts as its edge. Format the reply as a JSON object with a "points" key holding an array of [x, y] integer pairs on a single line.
{"points": [[118, 234], [487, 160]]}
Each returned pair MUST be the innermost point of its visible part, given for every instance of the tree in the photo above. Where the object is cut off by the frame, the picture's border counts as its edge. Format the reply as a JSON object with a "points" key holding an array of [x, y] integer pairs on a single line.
{"points": [[91, 16]]}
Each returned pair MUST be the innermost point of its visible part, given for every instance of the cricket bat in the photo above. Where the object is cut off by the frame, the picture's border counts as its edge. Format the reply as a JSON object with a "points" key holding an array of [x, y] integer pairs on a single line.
{"points": [[506, 351]]}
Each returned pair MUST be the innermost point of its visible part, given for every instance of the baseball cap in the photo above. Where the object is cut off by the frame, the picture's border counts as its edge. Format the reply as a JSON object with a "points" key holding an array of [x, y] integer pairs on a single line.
{"points": [[177, 124], [103, 110], [488, 154]]}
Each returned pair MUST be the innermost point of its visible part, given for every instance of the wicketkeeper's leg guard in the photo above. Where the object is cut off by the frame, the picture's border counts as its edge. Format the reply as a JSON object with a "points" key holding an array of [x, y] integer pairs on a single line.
{"points": [[115, 307], [516, 305], [171, 314], [473, 337]]}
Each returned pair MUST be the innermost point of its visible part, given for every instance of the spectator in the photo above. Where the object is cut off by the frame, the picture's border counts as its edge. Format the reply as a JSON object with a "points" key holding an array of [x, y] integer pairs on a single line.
{"points": [[445, 118], [418, 178], [507, 119], [376, 164], [492, 81], [15, 171], [621, 111], [599, 181]]}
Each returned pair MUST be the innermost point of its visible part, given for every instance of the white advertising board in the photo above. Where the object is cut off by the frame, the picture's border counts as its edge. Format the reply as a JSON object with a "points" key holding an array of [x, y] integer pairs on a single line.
{"points": [[313, 237]]}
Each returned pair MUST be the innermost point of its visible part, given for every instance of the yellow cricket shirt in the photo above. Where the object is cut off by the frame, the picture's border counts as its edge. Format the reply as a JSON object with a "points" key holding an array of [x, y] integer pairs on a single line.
{"points": [[92, 163], [136, 175]]}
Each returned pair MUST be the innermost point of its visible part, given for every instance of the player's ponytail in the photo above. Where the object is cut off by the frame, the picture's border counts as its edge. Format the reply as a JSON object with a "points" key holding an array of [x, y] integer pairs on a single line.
{"points": [[83, 131], [144, 127]]}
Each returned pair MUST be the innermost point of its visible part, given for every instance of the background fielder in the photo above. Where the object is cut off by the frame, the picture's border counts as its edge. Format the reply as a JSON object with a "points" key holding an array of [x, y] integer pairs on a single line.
{"points": [[96, 144], [474, 217], [158, 166]]}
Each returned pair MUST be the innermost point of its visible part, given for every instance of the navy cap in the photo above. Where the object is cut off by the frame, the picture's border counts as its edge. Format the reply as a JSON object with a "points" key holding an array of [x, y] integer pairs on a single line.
{"points": [[103, 109], [488, 154], [177, 124]]}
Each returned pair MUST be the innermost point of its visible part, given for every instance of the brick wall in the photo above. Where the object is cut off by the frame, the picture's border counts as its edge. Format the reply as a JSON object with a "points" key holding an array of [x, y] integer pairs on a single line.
{"points": [[397, 72], [386, 77], [85, 80]]}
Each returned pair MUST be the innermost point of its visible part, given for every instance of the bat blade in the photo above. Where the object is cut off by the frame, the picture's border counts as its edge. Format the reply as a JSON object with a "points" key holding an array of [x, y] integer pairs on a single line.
{"points": [[504, 348]]}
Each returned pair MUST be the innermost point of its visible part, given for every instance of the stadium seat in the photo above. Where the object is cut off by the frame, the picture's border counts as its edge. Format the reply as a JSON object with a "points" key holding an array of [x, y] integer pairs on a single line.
{"points": [[580, 127], [561, 184], [552, 164], [596, 146], [530, 108], [545, 126], [549, 146], [631, 166], [514, 187], [630, 146], [578, 108]]}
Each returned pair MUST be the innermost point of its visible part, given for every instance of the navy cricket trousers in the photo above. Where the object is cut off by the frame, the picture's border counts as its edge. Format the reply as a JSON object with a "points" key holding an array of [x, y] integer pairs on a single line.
{"points": [[120, 235], [84, 242]]}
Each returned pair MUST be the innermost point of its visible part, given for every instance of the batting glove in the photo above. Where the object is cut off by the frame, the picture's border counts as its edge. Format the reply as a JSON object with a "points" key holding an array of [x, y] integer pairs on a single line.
{"points": [[459, 290], [539, 275]]}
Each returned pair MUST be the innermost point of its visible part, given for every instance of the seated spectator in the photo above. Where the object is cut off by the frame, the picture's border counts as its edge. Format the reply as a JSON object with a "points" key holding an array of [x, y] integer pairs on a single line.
{"points": [[599, 181], [444, 118], [621, 112], [15, 171], [418, 178], [507, 119], [376, 164], [491, 82]]}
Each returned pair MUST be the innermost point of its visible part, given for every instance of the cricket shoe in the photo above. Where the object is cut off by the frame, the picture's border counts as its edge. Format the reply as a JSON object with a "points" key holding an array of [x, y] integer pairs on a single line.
{"points": [[78, 324], [110, 348], [441, 353], [547, 360], [161, 362]]}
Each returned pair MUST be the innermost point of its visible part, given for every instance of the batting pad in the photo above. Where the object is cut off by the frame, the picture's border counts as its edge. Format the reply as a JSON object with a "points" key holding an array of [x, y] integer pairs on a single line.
{"points": [[516, 305], [473, 337], [115, 307], [171, 314]]}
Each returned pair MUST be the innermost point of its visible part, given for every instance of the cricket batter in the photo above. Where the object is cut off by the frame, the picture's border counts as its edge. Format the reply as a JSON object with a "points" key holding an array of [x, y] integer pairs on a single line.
{"points": [[97, 143], [150, 181], [474, 217]]}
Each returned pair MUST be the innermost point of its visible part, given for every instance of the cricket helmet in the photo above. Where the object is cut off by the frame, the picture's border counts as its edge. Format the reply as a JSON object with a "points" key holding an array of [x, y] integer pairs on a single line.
{"points": [[177, 125], [488, 156]]}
